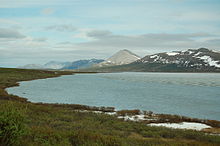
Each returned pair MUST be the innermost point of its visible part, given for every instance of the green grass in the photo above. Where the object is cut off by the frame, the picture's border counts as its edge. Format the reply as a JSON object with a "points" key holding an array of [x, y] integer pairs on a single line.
{"points": [[57, 124]]}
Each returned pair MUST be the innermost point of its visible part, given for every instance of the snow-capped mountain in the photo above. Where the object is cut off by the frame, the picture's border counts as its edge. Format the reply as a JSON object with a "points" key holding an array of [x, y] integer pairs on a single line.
{"points": [[200, 58], [192, 60], [83, 64], [120, 58]]}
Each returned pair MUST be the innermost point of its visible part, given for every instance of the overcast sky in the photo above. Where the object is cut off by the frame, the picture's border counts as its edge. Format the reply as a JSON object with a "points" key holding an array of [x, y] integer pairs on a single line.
{"points": [[38, 31]]}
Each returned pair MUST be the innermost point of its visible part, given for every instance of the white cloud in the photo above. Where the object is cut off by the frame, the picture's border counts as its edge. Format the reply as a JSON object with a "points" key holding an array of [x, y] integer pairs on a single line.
{"points": [[157, 42], [47, 11], [102, 44], [40, 39], [28, 3], [106, 43], [82, 34], [91, 34], [8, 22], [99, 33], [62, 28], [199, 16]]}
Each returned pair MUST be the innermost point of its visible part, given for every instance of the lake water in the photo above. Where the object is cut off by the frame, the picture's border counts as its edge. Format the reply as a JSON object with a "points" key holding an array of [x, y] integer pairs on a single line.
{"points": [[190, 94]]}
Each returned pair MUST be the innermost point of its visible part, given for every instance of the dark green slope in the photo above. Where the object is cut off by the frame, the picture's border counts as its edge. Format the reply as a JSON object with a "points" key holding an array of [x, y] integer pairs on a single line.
{"points": [[152, 67]]}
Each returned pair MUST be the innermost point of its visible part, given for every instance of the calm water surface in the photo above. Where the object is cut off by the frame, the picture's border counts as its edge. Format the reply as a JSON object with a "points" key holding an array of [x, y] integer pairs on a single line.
{"points": [[190, 94]]}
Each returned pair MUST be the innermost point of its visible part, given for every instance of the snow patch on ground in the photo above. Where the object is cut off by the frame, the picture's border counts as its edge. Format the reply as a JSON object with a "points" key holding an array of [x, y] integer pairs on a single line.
{"points": [[210, 61], [110, 113], [137, 118], [133, 118], [142, 117], [183, 125]]}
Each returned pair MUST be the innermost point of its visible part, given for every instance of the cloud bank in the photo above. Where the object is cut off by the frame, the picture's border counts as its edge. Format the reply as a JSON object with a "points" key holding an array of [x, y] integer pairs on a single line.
{"points": [[7, 33]]}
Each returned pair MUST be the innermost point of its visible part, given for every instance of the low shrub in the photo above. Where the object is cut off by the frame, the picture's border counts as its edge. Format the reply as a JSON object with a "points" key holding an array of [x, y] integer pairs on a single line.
{"points": [[12, 126]]}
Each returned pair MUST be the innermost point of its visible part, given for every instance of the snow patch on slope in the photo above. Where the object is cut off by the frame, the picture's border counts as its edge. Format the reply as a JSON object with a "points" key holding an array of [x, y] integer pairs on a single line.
{"points": [[210, 61], [195, 55], [190, 52], [172, 53], [153, 56]]}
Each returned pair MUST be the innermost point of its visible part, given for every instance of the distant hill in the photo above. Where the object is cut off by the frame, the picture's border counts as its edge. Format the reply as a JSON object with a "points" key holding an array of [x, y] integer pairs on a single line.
{"points": [[56, 65], [119, 58], [79, 64], [49, 65], [83, 64], [198, 60], [32, 66]]}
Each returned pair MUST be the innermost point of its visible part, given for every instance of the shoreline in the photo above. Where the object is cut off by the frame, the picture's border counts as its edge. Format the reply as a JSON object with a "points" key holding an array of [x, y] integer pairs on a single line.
{"points": [[158, 118]]}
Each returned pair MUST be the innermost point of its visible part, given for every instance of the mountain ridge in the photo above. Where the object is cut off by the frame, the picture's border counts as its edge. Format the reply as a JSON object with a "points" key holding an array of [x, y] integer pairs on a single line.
{"points": [[78, 64], [191, 60]]}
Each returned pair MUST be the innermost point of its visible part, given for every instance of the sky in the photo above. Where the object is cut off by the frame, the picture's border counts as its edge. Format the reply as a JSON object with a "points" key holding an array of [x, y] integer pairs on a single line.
{"points": [[39, 31]]}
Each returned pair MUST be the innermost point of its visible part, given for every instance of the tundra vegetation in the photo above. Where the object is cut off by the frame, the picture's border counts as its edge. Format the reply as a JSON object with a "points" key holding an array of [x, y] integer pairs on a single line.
{"points": [[26, 123]]}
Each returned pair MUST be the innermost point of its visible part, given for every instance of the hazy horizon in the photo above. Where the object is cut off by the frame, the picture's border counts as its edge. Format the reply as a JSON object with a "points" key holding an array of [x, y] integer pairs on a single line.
{"points": [[36, 32]]}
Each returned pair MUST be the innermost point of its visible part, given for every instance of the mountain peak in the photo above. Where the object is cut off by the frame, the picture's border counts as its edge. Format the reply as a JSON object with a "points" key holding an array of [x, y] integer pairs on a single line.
{"points": [[126, 53], [121, 57]]}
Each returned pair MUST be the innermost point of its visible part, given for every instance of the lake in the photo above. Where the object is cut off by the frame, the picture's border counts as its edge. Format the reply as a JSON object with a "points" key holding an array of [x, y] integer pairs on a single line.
{"points": [[190, 94]]}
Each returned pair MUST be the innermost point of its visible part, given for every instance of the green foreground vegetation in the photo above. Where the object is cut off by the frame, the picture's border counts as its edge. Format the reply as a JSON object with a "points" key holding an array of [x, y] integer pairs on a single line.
{"points": [[29, 124]]}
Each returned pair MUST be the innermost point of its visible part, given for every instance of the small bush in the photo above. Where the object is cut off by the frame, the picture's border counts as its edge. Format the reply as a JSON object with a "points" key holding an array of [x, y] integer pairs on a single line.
{"points": [[11, 124], [128, 112]]}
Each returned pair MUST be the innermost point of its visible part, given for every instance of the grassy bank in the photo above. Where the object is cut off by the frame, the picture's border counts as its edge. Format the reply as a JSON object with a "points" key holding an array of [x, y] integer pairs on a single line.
{"points": [[26, 123]]}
